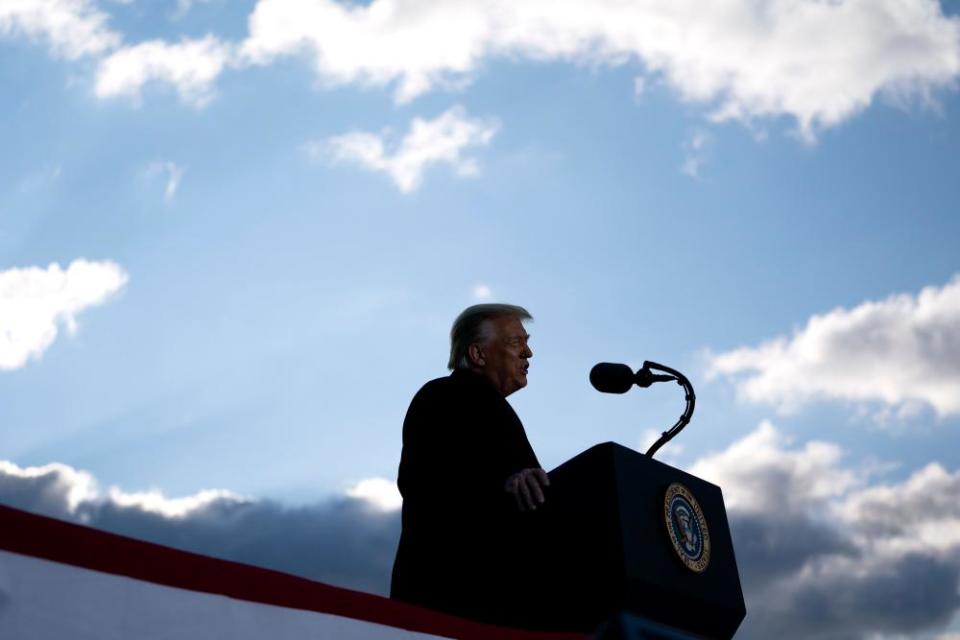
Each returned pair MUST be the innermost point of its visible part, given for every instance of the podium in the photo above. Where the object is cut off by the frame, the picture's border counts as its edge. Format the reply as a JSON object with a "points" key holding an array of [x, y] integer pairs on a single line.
{"points": [[621, 532]]}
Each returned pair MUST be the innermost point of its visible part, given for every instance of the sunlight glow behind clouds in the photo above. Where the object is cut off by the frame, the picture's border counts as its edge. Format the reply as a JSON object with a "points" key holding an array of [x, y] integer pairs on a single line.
{"points": [[428, 142], [33, 301], [482, 292], [61, 490], [155, 502], [901, 350], [380, 492], [56, 482], [343, 540]]}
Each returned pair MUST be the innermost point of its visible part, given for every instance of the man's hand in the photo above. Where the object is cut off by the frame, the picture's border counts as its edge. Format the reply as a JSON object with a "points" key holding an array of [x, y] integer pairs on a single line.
{"points": [[526, 487]]}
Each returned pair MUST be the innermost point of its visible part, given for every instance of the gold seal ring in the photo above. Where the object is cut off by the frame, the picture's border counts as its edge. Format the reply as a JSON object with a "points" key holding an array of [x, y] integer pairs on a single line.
{"points": [[686, 527]]}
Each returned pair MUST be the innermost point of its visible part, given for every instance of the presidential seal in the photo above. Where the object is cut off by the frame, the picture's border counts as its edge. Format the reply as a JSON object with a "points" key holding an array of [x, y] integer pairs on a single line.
{"points": [[686, 527]]}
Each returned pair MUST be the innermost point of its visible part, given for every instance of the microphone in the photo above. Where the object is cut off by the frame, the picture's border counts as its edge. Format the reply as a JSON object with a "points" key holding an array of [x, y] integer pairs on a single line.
{"points": [[611, 378], [619, 378]]}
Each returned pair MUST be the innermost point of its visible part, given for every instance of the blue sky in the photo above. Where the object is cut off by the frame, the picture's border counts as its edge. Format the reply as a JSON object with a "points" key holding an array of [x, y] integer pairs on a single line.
{"points": [[280, 220]]}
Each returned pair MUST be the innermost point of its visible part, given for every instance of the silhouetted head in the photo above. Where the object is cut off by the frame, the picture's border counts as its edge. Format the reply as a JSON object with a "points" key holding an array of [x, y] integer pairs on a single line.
{"points": [[489, 339]]}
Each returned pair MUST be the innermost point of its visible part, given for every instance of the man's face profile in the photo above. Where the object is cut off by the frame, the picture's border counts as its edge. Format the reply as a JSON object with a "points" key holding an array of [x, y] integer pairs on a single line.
{"points": [[505, 358]]}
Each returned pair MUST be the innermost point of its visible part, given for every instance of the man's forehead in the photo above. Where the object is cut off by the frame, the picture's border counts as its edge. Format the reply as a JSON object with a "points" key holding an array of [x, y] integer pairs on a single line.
{"points": [[512, 328]]}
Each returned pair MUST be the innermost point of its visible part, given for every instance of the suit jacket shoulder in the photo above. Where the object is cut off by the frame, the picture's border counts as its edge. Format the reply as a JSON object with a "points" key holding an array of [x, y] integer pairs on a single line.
{"points": [[461, 425]]}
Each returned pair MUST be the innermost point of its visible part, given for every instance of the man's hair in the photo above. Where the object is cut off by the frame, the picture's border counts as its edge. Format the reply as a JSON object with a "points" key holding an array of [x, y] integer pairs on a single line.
{"points": [[473, 325]]}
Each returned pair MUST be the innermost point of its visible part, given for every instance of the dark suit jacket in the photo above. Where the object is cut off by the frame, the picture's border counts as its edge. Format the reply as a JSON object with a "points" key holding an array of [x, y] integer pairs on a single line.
{"points": [[461, 441]]}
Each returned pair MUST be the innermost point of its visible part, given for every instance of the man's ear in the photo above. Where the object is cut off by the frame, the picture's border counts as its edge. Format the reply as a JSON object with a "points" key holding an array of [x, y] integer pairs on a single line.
{"points": [[476, 355]]}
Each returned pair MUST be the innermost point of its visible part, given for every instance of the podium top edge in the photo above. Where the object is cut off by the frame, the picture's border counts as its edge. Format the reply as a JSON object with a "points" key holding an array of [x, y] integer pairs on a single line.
{"points": [[618, 450]]}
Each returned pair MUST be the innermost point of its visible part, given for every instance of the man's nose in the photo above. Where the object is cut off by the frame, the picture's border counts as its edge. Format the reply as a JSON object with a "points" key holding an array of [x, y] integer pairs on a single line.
{"points": [[527, 352]]}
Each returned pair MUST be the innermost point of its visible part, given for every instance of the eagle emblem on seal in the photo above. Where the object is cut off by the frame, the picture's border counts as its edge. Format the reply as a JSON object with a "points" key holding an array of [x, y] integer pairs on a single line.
{"points": [[686, 527]]}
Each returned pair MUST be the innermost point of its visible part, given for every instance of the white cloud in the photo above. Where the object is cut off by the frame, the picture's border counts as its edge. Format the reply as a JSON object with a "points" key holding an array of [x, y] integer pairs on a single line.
{"points": [[61, 488], [71, 28], [77, 28], [639, 87], [482, 292], [808, 476], [190, 66], [67, 492], [34, 301], [173, 173], [380, 492], [819, 62], [155, 502], [694, 152], [823, 554], [899, 351], [428, 142]]}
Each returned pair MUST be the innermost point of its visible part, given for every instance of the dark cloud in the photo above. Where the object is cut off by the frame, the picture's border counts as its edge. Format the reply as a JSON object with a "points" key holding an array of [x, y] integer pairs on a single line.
{"points": [[821, 555], [802, 580], [343, 541], [45, 493], [771, 547], [908, 594]]}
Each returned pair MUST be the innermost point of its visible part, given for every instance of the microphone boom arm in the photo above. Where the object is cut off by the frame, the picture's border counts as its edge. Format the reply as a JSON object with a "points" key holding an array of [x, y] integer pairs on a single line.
{"points": [[684, 419]]}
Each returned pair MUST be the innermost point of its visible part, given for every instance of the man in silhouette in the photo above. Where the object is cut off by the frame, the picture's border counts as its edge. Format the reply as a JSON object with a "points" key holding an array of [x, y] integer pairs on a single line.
{"points": [[469, 477]]}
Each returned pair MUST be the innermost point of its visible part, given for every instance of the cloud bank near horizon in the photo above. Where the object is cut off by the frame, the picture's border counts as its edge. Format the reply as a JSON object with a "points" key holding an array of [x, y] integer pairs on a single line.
{"points": [[825, 550], [346, 540], [818, 63]]}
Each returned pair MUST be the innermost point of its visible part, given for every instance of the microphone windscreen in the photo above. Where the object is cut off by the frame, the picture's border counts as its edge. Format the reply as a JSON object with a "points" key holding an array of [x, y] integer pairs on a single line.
{"points": [[612, 378]]}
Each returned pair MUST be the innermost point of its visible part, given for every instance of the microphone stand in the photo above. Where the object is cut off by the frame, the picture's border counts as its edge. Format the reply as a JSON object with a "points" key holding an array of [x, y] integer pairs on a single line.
{"points": [[684, 419]]}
